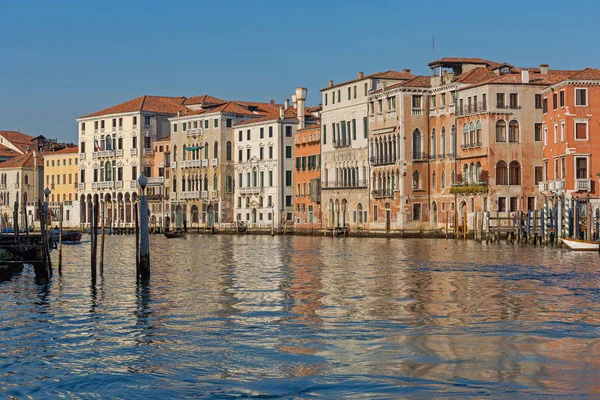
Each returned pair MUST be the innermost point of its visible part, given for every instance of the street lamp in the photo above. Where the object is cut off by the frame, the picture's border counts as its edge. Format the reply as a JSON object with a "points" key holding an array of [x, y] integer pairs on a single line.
{"points": [[47, 195]]}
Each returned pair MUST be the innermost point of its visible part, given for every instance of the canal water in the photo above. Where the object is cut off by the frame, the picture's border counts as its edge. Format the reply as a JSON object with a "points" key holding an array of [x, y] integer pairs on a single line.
{"points": [[303, 317]]}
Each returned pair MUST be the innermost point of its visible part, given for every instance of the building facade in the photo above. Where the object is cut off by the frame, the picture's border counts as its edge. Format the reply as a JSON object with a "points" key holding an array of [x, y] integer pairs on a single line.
{"points": [[344, 143], [115, 148], [61, 172], [159, 184], [307, 179]]}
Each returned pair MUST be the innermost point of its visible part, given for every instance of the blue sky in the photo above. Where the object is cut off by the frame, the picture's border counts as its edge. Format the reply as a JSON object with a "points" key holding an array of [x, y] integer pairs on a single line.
{"points": [[64, 59]]}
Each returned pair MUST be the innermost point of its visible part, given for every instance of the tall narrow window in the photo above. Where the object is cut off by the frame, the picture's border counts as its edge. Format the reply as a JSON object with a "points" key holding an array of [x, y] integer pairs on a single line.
{"points": [[513, 131], [501, 173], [501, 131], [581, 97]]}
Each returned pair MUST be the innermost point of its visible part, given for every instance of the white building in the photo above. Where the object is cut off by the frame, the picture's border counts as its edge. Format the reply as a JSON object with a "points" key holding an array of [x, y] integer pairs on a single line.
{"points": [[264, 165], [344, 146], [115, 148]]}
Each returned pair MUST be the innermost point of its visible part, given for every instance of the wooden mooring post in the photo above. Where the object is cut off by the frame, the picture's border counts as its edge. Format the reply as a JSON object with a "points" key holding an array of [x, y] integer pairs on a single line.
{"points": [[94, 229], [137, 235], [102, 223], [60, 231]]}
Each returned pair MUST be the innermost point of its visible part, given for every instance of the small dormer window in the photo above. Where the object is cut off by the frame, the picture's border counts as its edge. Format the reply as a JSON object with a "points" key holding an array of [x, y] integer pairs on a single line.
{"points": [[504, 70]]}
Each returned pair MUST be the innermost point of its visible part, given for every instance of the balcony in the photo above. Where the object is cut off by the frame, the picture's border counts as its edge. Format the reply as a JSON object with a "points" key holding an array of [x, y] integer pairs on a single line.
{"points": [[119, 152], [214, 162], [503, 106], [103, 185], [344, 185], [474, 108], [250, 190], [432, 156], [103, 154], [2, 186], [148, 152], [214, 194], [134, 152], [452, 109], [134, 127], [82, 156], [382, 160], [156, 180], [380, 193], [556, 185], [204, 163], [451, 154], [543, 186], [119, 185], [82, 186], [190, 195], [341, 143], [173, 164], [441, 156], [194, 132], [133, 184], [191, 164], [417, 112], [204, 194], [583, 185], [433, 112], [419, 156]]}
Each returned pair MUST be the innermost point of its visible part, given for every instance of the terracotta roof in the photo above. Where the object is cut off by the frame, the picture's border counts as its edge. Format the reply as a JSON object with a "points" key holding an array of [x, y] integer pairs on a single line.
{"points": [[165, 139], [290, 113], [588, 74], [464, 60], [475, 76], [313, 127], [419, 81], [314, 108], [66, 150], [390, 74], [515, 78], [7, 151], [23, 160], [236, 107], [155, 104], [203, 99]]}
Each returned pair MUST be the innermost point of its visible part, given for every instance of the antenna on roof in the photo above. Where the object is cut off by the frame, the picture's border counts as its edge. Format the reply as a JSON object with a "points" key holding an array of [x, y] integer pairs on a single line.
{"points": [[433, 48]]}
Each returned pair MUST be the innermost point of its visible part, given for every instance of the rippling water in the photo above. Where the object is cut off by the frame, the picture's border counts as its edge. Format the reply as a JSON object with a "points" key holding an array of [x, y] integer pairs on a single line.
{"points": [[302, 317]]}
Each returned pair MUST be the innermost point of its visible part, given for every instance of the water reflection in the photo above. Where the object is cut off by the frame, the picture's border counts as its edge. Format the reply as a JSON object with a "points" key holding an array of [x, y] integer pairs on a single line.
{"points": [[305, 316]]}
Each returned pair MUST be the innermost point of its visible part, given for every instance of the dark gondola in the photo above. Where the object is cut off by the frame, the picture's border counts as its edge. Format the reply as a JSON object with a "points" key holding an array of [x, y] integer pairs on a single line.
{"points": [[174, 235]]}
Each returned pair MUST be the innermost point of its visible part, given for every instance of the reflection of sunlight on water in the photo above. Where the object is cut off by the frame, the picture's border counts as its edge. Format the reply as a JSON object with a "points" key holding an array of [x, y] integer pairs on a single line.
{"points": [[304, 316]]}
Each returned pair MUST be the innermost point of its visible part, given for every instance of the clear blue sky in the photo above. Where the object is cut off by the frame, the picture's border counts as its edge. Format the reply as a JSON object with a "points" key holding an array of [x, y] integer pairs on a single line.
{"points": [[64, 59]]}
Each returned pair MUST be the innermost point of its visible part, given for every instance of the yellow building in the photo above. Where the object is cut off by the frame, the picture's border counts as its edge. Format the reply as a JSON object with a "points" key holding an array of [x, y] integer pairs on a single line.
{"points": [[61, 176]]}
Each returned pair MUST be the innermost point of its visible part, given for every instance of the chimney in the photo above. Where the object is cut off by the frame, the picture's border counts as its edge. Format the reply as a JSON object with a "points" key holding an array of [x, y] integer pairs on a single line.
{"points": [[281, 113], [525, 76], [272, 101], [384, 85], [179, 113], [361, 75], [407, 70], [544, 69], [287, 103], [330, 83], [294, 100], [301, 98]]}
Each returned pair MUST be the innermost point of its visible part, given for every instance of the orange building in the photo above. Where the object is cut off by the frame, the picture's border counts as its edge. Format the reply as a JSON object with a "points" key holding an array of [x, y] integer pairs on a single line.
{"points": [[571, 138], [159, 184], [307, 177]]}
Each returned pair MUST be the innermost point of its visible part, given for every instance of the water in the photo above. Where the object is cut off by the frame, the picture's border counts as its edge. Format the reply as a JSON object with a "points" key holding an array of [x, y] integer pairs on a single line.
{"points": [[304, 317]]}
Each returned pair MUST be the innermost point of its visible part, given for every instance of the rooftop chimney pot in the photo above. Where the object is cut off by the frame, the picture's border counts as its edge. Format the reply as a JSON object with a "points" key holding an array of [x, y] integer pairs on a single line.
{"points": [[330, 83], [525, 76], [544, 69], [407, 70], [361, 75]]}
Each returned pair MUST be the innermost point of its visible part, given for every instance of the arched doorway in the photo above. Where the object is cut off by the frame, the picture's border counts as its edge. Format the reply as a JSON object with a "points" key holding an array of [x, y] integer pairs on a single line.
{"points": [[330, 222], [344, 213], [179, 217], [434, 213], [195, 214], [462, 213], [337, 213], [254, 216]]}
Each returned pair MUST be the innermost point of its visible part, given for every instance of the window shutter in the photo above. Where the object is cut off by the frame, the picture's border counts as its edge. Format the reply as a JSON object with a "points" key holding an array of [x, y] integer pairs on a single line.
{"points": [[580, 131]]}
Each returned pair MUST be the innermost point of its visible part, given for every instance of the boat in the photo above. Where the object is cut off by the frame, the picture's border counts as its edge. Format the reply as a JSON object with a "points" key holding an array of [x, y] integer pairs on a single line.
{"points": [[174, 235], [67, 236], [580, 245]]}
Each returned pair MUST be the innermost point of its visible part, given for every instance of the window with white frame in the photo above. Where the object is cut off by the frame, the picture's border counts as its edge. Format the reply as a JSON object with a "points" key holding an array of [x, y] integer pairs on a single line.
{"points": [[581, 129], [581, 97], [562, 131], [556, 132]]}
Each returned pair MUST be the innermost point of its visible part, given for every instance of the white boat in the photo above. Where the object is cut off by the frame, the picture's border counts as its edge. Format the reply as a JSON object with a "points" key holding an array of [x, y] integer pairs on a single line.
{"points": [[580, 245]]}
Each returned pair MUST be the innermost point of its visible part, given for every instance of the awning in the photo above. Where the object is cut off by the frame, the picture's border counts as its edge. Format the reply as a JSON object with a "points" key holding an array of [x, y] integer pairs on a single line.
{"points": [[192, 148]]}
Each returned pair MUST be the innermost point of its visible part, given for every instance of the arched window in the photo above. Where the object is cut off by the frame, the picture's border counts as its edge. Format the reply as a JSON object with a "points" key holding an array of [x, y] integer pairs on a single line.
{"points": [[175, 153], [107, 171], [174, 185], [417, 145], [433, 180], [465, 135], [472, 173], [472, 133], [478, 133], [478, 172], [205, 182], [229, 183], [452, 177], [443, 142], [206, 152], [27, 180], [501, 173], [185, 155], [183, 184], [465, 176], [453, 141], [513, 131], [443, 180], [501, 131], [215, 182], [515, 173], [433, 143], [416, 180], [228, 151], [216, 150]]}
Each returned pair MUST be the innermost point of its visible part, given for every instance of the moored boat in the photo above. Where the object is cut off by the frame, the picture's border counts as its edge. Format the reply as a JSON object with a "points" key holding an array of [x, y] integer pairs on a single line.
{"points": [[580, 245], [174, 235], [67, 236]]}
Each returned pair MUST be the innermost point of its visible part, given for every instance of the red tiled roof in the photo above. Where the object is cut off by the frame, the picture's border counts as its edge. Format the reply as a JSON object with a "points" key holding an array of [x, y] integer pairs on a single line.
{"points": [[7, 151], [155, 104], [165, 139], [66, 150], [475, 76], [464, 60], [23, 160], [290, 113], [203, 99], [419, 81], [588, 74], [313, 127], [236, 107]]}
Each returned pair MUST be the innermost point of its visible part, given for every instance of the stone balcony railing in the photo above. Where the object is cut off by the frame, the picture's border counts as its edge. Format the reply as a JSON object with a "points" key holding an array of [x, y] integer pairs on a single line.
{"points": [[133, 184], [156, 180], [204, 163], [134, 152], [214, 162], [190, 195], [250, 190], [103, 154], [584, 185], [81, 186], [148, 152]]}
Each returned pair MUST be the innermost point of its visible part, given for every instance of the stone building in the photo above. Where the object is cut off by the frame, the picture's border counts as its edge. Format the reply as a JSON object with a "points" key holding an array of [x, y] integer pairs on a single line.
{"points": [[202, 159], [159, 184], [344, 144], [115, 148], [307, 178], [61, 172]]}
